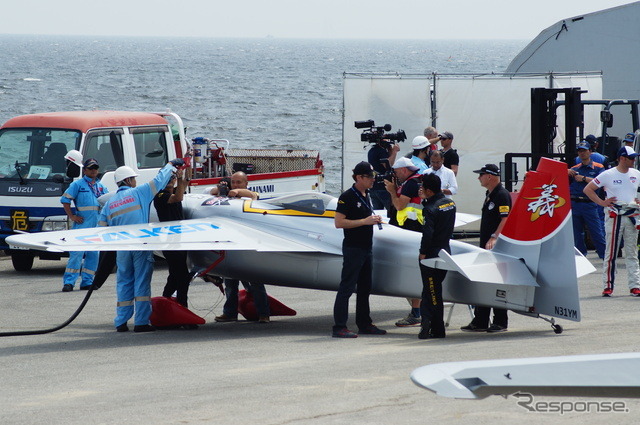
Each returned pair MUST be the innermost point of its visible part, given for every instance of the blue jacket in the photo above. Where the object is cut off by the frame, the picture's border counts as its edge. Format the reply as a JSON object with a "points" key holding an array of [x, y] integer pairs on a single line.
{"points": [[130, 205], [592, 170], [85, 197]]}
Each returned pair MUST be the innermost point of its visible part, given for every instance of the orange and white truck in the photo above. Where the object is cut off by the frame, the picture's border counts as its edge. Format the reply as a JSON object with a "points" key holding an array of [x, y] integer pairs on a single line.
{"points": [[34, 173]]}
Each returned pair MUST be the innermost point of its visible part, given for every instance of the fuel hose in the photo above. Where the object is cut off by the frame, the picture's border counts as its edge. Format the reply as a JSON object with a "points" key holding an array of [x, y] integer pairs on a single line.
{"points": [[57, 328]]}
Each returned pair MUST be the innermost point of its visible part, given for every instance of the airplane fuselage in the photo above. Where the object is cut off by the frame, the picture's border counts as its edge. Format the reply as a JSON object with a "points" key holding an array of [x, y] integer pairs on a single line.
{"points": [[395, 256]]}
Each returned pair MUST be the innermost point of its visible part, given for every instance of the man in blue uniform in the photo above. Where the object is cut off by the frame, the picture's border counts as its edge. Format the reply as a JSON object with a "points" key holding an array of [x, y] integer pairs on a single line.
{"points": [[84, 193], [583, 210], [130, 205], [592, 141]]}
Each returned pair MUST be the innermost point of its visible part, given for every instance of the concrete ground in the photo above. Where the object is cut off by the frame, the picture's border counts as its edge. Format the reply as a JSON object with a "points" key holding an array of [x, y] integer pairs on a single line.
{"points": [[287, 372]]}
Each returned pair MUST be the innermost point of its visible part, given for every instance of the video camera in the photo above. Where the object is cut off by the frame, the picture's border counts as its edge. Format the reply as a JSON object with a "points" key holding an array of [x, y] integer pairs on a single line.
{"points": [[374, 134]]}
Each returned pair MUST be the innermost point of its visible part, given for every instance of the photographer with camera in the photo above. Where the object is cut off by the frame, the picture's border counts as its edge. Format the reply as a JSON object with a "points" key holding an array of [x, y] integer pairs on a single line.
{"points": [[239, 189], [236, 189], [381, 155], [406, 214]]}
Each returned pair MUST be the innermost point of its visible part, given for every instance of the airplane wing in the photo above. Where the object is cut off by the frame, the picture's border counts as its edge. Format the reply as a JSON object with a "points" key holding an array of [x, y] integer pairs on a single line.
{"points": [[189, 235], [484, 266], [603, 375]]}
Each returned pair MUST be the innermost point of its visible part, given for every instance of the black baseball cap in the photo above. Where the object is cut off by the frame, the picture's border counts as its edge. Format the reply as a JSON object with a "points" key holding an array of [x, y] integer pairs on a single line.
{"points": [[447, 135], [91, 163], [492, 169], [363, 169]]}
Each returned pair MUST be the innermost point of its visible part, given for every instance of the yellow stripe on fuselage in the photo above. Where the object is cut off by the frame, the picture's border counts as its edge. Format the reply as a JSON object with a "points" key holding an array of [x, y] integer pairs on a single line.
{"points": [[246, 207]]}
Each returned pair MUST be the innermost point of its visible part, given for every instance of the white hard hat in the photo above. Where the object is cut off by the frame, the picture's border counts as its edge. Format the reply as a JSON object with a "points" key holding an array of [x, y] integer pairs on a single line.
{"points": [[123, 173], [74, 156], [419, 142]]}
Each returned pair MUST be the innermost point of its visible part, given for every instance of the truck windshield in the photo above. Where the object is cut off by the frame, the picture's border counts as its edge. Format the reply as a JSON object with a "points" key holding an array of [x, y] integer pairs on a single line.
{"points": [[36, 153]]}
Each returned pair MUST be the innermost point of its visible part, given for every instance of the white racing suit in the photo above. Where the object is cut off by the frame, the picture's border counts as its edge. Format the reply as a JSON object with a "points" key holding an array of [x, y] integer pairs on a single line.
{"points": [[621, 221]]}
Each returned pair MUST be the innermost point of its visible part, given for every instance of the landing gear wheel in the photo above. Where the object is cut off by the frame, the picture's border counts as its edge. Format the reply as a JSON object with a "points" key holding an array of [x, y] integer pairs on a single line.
{"points": [[22, 261], [557, 329]]}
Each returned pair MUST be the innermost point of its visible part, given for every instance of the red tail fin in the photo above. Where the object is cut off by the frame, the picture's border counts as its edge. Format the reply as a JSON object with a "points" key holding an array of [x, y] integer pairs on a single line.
{"points": [[543, 204]]}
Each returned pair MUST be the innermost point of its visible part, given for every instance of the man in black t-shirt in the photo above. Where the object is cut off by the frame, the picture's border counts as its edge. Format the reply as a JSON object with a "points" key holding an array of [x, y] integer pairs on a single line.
{"points": [[354, 214], [168, 204], [495, 210], [449, 155]]}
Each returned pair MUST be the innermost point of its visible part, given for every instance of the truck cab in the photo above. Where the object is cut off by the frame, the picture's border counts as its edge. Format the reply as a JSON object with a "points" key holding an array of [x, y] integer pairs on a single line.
{"points": [[34, 173]]}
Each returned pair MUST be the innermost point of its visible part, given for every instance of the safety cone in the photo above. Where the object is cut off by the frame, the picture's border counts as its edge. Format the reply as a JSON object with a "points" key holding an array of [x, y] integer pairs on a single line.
{"points": [[247, 307], [168, 312]]}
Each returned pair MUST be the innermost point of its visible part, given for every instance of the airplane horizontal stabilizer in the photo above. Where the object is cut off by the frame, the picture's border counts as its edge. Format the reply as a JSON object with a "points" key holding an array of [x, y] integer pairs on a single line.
{"points": [[583, 266], [597, 375], [485, 266]]}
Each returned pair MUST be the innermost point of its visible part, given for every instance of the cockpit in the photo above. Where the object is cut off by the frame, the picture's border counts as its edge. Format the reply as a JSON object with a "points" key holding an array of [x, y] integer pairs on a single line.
{"points": [[306, 202]]}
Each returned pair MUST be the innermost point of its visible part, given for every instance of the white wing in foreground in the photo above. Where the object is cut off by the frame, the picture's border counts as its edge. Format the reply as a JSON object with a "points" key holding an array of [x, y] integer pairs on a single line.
{"points": [[598, 375], [188, 235]]}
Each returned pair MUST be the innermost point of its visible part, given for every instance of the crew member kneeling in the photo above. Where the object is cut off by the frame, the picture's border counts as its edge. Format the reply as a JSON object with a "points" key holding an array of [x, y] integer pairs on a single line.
{"points": [[439, 219]]}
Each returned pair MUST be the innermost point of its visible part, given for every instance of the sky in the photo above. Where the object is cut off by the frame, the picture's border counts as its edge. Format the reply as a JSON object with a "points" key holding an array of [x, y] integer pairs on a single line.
{"points": [[390, 19]]}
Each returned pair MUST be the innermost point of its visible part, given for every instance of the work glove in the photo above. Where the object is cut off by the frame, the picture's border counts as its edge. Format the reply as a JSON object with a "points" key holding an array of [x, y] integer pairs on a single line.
{"points": [[177, 162]]}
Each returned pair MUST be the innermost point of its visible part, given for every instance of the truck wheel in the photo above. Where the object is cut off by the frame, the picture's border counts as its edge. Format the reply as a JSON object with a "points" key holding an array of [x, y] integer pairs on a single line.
{"points": [[22, 261]]}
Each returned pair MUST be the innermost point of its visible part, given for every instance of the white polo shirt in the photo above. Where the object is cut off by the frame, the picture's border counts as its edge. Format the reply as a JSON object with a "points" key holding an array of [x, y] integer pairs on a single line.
{"points": [[447, 178], [624, 186]]}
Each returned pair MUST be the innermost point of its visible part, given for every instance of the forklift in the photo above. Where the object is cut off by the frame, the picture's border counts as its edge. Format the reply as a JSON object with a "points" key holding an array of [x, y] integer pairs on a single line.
{"points": [[544, 115]]}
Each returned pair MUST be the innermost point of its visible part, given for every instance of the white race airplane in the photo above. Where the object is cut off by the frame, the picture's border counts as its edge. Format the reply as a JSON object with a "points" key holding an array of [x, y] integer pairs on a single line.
{"points": [[292, 241]]}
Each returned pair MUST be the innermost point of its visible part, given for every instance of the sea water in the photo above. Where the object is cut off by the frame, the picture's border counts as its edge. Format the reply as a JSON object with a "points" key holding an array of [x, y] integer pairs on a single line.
{"points": [[257, 93]]}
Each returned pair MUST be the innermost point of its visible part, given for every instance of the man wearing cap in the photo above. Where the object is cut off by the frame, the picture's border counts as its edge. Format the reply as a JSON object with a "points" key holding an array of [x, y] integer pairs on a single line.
{"points": [[407, 214], [583, 210], [130, 205], [629, 140], [84, 193], [621, 185], [447, 176], [421, 149], [355, 215], [495, 210], [592, 141], [450, 155]]}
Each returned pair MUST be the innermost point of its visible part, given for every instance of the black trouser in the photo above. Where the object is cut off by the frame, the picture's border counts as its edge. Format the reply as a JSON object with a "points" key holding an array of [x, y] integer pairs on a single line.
{"points": [[431, 305], [356, 276], [179, 276], [481, 317]]}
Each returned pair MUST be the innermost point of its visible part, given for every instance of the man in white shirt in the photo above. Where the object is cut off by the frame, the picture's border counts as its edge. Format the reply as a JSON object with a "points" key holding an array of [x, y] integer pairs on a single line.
{"points": [[447, 177], [622, 215]]}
